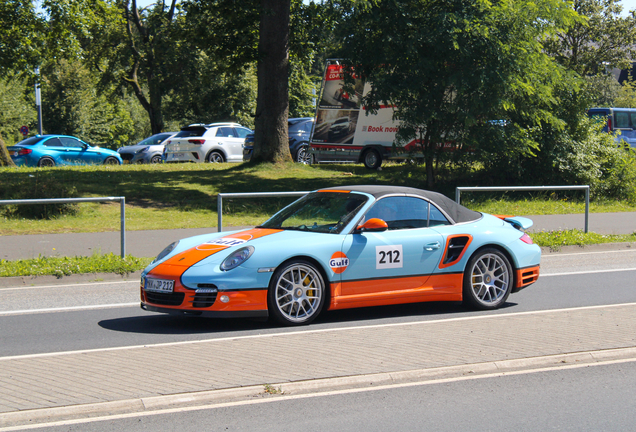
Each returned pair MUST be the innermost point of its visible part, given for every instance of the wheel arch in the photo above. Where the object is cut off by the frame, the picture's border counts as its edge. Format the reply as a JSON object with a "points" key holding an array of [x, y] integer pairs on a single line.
{"points": [[215, 149], [504, 251]]}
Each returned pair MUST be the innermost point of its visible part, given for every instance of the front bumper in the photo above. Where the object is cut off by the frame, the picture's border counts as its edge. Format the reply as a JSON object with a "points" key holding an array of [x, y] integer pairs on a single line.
{"points": [[206, 313]]}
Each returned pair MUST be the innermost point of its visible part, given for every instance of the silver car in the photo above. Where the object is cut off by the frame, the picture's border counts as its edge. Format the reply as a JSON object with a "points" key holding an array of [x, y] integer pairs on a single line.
{"points": [[150, 150], [215, 142]]}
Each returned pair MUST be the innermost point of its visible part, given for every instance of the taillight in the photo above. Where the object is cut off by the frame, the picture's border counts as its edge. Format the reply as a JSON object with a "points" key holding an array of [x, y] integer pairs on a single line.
{"points": [[526, 239], [609, 124], [196, 141], [23, 152]]}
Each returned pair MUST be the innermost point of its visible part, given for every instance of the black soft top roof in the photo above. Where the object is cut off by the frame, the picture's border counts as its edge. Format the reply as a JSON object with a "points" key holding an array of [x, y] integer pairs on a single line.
{"points": [[457, 212]]}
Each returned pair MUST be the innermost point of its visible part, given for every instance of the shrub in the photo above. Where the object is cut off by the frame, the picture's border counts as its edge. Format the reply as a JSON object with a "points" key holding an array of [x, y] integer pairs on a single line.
{"points": [[37, 186]]}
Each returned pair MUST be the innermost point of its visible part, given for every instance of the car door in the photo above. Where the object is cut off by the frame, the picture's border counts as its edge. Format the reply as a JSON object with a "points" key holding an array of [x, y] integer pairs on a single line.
{"points": [[395, 263], [55, 149], [625, 121], [76, 152]]}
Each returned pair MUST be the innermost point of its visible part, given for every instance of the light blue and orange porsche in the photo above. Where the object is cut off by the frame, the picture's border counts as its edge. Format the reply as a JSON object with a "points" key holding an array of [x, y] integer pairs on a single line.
{"points": [[342, 248]]}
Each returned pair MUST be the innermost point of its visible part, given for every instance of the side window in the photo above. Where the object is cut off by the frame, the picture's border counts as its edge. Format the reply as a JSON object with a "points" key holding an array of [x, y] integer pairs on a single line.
{"points": [[632, 116], [622, 119], [241, 132], [225, 132], [53, 142], [70, 142], [437, 218], [400, 212]]}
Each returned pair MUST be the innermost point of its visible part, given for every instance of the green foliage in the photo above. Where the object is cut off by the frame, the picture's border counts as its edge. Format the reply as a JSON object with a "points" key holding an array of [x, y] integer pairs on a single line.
{"points": [[482, 61], [40, 185], [65, 266], [601, 41], [21, 36], [72, 105], [16, 108], [626, 97], [606, 91]]}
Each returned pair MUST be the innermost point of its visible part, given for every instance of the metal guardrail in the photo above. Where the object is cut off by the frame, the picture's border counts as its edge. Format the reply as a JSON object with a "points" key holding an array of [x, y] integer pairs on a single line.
{"points": [[219, 201], [122, 212], [459, 190]]}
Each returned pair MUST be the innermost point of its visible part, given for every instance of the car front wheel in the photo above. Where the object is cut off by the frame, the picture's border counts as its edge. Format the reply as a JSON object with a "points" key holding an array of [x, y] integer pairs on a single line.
{"points": [[303, 156], [296, 294], [111, 161], [156, 159], [488, 280], [215, 157]]}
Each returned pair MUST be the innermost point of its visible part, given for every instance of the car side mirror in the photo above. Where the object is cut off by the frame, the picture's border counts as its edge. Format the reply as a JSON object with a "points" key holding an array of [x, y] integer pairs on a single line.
{"points": [[372, 225]]}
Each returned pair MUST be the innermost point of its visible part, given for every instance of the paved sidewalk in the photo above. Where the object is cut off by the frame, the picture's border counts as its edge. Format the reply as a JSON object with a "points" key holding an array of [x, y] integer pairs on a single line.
{"points": [[150, 243], [34, 388]]}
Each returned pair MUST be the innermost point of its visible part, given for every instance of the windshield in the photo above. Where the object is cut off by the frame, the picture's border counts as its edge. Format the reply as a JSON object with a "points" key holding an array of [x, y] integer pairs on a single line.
{"points": [[325, 212]]}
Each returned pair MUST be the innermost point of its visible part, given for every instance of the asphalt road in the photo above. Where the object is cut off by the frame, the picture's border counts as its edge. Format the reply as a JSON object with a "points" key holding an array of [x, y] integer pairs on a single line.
{"points": [[598, 398]]}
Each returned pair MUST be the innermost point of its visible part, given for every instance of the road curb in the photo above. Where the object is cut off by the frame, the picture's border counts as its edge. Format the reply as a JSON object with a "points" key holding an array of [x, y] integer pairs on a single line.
{"points": [[200, 400]]}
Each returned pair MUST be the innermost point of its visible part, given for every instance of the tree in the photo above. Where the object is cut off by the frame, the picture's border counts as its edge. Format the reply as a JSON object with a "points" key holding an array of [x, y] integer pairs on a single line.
{"points": [[270, 34], [5, 159], [21, 35], [450, 65], [603, 40]]}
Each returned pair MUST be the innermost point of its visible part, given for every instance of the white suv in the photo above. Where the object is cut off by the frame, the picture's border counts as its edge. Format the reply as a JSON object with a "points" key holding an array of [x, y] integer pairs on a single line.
{"points": [[216, 142]]}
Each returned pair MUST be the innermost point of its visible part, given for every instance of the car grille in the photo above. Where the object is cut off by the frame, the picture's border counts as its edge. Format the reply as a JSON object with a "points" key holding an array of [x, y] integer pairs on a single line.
{"points": [[126, 156], [166, 299], [204, 296]]}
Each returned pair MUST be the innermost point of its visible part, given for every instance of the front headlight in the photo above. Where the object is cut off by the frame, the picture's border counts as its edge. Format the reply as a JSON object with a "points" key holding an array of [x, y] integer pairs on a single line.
{"points": [[145, 149], [165, 252], [237, 258]]}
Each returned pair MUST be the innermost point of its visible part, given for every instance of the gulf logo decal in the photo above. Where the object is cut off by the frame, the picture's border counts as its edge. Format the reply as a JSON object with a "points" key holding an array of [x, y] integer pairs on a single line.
{"points": [[339, 262]]}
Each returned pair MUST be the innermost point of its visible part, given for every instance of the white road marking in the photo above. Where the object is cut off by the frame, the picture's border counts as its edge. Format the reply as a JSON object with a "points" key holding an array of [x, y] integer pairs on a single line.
{"points": [[69, 308], [586, 272], [305, 332], [284, 398]]}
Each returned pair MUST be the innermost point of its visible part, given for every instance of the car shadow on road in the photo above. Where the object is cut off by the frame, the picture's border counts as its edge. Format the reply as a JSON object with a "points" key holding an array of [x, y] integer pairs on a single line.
{"points": [[163, 324]]}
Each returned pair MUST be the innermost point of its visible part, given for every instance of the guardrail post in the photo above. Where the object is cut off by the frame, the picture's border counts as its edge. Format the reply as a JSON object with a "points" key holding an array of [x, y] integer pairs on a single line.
{"points": [[587, 207], [122, 215], [219, 212]]}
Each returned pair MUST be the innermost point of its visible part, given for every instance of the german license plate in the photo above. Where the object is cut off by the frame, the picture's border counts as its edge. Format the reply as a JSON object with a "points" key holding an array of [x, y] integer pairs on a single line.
{"points": [[159, 285]]}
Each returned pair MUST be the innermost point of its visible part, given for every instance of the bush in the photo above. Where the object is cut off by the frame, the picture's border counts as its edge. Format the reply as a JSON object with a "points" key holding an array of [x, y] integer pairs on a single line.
{"points": [[39, 186]]}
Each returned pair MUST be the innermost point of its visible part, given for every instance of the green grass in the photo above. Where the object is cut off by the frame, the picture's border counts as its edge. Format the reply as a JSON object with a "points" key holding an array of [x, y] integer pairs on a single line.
{"points": [[64, 266], [185, 196]]}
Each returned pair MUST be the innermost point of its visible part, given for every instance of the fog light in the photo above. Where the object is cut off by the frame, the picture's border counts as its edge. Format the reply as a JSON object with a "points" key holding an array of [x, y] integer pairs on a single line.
{"points": [[224, 299]]}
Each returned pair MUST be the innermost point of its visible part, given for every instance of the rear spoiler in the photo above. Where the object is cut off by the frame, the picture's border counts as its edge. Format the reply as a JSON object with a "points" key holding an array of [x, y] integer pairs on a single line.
{"points": [[521, 223]]}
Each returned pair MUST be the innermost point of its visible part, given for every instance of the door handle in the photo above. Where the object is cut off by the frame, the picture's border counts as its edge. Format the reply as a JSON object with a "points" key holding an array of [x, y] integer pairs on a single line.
{"points": [[432, 246]]}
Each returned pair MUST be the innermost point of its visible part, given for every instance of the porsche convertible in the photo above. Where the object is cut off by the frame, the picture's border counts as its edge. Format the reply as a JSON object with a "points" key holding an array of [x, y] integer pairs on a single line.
{"points": [[346, 247]]}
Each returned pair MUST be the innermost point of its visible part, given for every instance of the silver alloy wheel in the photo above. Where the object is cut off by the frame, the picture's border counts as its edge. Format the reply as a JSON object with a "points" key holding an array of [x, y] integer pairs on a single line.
{"points": [[155, 159], [215, 157], [490, 279], [111, 161], [303, 155], [298, 293]]}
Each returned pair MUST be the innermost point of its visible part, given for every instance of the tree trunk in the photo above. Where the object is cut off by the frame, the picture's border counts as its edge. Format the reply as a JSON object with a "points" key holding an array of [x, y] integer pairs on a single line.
{"points": [[271, 143], [5, 159]]}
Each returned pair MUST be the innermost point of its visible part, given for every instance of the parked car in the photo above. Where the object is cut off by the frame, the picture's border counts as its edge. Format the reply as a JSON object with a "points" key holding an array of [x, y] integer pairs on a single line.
{"points": [[618, 119], [299, 130], [150, 150], [51, 150], [216, 142], [346, 247]]}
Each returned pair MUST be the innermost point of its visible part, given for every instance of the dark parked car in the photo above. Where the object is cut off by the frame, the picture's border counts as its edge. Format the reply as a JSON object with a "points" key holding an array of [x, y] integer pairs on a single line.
{"points": [[299, 132], [51, 150]]}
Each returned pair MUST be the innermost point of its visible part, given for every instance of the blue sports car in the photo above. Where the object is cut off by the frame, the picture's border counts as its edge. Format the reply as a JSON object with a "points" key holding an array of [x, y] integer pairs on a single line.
{"points": [[51, 150], [343, 248]]}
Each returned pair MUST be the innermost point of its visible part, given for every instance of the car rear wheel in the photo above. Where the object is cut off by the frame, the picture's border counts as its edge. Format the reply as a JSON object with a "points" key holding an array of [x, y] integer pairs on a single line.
{"points": [[372, 159], [302, 155], [156, 159], [111, 161], [296, 294], [46, 162], [215, 157], [488, 280]]}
